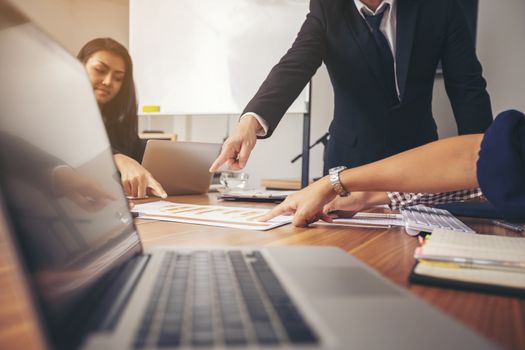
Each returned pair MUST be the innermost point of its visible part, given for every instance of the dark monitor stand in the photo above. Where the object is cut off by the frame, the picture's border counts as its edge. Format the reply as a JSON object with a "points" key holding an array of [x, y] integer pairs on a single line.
{"points": [[305, 155]]}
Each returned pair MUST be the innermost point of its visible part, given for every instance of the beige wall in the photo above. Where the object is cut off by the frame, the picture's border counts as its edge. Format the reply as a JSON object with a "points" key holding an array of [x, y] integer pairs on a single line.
{"points": [[75, 22]]}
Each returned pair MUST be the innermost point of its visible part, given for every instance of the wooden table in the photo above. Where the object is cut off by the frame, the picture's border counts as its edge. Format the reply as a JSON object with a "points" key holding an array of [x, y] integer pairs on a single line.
{"points": [[388, 251]]}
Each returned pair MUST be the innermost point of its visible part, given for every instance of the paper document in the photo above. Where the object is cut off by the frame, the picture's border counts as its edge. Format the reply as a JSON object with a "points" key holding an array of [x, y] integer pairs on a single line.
{"points": [[210, 215]]}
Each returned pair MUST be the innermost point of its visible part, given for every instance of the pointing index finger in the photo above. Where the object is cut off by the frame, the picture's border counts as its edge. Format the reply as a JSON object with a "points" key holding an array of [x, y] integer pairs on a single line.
{"points": [[281, 209], [156, 189], [221, 159]]}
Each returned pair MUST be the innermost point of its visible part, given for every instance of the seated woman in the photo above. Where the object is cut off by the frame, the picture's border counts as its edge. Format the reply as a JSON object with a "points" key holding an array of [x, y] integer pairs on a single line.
{"points": [[462, 167], [110, 71]]}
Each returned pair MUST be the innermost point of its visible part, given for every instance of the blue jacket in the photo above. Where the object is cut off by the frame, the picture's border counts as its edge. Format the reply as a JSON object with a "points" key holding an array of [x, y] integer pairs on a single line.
{"points": [[501, 164]]}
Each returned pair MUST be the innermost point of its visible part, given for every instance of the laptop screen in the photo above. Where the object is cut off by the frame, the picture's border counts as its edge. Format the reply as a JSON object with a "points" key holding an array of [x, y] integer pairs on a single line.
{"points": [[60, 188]]}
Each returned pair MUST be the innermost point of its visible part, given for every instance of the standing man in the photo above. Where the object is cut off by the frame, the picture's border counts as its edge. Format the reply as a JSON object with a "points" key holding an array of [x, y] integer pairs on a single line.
{"points": [[381, 56]]}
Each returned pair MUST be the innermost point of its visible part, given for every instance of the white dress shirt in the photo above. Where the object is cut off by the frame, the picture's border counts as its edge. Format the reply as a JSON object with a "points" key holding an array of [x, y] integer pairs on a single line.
{"points": [[388, 28], [388, 25]]}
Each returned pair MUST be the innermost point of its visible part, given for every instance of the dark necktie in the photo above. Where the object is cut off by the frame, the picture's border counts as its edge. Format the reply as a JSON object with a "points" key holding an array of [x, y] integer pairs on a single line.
{"points": [[387, 60]]}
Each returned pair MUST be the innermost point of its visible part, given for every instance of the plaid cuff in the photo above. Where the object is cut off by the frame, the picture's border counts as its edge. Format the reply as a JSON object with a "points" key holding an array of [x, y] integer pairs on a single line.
{"points": [[399, 200]]}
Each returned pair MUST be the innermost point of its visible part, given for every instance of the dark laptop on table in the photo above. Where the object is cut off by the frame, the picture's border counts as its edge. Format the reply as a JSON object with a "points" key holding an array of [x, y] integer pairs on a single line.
{"points": [[93, 285]]}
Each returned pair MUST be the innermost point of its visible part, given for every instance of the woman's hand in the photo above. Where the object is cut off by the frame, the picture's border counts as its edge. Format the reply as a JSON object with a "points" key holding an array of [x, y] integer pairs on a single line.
{"points": [[135, 179], [346, 207], [307, 204]]}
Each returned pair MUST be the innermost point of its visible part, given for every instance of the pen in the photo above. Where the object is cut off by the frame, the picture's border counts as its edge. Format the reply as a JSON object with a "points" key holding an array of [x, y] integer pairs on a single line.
{"points": [[508, 225], [377, 216], [457, 265], [474, 263], [351, 224]]}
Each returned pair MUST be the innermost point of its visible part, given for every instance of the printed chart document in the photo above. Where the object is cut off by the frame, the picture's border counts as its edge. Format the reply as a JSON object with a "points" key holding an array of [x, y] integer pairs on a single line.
{"points": [[211, 215]]}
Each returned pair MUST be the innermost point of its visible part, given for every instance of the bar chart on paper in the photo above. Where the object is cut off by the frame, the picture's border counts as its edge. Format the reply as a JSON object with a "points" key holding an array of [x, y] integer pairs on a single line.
{"points": [[210, 215]]}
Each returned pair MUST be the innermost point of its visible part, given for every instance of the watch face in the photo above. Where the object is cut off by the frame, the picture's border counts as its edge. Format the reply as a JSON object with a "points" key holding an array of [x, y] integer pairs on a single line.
{"points": [[336, 183], [336, 169]]}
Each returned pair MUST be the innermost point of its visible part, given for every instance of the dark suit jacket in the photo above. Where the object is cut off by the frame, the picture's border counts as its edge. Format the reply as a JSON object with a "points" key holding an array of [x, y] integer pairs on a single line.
{"points": [[365, 126]]}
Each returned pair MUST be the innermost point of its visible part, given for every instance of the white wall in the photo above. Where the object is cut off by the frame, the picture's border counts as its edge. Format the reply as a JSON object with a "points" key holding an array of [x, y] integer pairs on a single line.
{"points": [[271, 157], [500, 46], [501, 50], [74, 22]]}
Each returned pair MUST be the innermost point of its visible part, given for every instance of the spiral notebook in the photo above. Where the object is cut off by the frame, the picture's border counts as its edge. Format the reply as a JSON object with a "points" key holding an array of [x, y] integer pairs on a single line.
{"points": [[486, 263]]}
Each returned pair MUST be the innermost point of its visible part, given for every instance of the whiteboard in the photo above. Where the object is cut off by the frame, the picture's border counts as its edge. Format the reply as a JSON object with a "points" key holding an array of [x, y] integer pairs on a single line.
{"points": [[196, 57]]}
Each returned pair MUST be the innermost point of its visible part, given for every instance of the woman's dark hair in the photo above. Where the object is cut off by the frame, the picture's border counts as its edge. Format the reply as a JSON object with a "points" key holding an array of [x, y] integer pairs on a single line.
{"points": [[119, 114]]}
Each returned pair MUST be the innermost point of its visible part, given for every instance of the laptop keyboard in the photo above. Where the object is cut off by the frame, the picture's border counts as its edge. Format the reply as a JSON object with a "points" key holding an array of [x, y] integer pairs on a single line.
{"points": [[228, 298], [422, 218]]}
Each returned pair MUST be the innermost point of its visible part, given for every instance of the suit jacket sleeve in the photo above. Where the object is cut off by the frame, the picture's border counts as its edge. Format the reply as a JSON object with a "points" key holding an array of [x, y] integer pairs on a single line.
{"points": [[462, 71], [288, 78]]}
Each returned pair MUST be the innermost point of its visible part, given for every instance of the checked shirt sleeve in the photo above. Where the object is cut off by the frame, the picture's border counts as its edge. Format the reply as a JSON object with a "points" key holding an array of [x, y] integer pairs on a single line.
{"points": [[400, 200]]}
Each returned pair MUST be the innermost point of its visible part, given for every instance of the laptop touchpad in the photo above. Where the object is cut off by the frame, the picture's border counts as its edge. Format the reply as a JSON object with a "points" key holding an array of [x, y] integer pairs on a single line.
{"points": [[341, 281]]}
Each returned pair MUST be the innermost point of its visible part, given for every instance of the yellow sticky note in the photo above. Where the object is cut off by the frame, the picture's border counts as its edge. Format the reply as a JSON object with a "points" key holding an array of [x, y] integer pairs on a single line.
{"points": [[150, 109], [447, 264]]}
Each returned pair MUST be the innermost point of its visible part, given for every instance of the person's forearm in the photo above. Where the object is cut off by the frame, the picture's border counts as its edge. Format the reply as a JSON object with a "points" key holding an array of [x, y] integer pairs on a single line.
{"points": [[445, 165]]}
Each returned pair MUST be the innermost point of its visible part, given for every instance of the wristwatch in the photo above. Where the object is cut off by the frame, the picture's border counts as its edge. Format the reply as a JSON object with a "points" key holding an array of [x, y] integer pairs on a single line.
{"points": [[336, 181]]}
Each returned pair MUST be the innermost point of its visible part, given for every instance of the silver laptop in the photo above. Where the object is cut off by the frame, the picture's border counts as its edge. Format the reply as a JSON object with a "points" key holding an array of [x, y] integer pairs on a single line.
{"points": [[93, 285], [181, 167]]}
